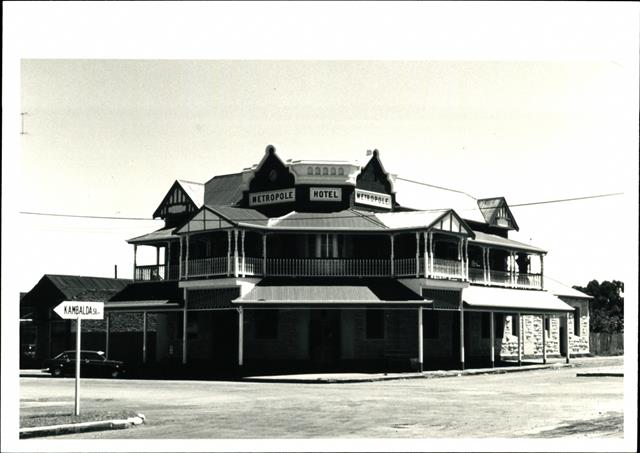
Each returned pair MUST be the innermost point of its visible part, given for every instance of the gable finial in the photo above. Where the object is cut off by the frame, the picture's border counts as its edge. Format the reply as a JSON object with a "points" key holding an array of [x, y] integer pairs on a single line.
{"points": [[270, 149]]}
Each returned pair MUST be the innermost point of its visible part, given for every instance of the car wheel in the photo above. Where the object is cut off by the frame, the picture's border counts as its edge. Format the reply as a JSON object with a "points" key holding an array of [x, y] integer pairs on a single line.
{"points": [[115, 374], [57, 372]]}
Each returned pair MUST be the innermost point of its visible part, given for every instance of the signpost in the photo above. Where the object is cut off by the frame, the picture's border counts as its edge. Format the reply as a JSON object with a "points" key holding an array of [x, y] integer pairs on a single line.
{"points": [[79, 310]]}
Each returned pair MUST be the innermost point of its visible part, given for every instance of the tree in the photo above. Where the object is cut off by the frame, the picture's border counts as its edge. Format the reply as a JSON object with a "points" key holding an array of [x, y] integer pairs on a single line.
{"points": [[607, 306]]}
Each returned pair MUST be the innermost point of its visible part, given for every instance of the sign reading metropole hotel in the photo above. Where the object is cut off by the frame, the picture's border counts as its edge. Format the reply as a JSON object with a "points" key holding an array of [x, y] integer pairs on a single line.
{"points": [[272, 197], [380, 200], [325, 193]]}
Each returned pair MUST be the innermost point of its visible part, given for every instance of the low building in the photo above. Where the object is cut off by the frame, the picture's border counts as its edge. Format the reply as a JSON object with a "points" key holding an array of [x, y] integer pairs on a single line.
{"points": [[44, 334]]}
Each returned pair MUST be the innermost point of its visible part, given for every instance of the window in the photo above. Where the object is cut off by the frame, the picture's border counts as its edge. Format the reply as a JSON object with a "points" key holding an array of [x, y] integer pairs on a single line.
{"points": [[333, 171], [325, 171], [340, 171], [485, 327], [576, 322], [375, 324], [266, 324], [515, 325], [431, 324], [310, 170], [499, 325], [547, 325], [317, 170]]}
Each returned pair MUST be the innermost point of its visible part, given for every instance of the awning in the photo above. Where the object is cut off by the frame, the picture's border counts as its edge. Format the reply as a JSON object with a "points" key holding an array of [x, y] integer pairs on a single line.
{"points": [[512, 300], [376, 292], [131, 305], [147, 295], [499, 241], [163, 234]]}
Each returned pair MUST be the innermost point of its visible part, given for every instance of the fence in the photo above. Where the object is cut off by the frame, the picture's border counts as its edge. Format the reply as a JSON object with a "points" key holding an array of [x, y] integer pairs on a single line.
{"points": [[606, 343]]}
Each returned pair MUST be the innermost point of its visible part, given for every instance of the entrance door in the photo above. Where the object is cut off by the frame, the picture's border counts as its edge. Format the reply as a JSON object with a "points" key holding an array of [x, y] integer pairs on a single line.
{"points": [[324, 337]]}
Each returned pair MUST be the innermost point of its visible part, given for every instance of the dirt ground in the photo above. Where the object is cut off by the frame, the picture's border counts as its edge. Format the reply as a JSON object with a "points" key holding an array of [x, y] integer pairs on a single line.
{"points": [[548, 403]]}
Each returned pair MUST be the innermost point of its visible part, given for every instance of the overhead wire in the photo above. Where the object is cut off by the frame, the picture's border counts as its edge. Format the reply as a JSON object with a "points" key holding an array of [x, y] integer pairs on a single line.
{"points": [[320, 217]]}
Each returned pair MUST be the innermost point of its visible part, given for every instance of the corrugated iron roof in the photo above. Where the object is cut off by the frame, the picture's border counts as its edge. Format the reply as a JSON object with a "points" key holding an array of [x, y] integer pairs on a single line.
{"points": [[78, 287], [158, 235], [560, 289], [492, 239], [512, 300], [240, 215], [422, 197], [223, 190], [329, 291], [195, 191], [348, 219]]}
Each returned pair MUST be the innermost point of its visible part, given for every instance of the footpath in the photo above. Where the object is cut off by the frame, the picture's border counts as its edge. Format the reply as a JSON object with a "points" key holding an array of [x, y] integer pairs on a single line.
{"points": [[607, 366]]}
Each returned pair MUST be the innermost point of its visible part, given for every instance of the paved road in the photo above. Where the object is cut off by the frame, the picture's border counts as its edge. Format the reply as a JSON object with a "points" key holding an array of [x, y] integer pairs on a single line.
{"points": [[545, 403]]}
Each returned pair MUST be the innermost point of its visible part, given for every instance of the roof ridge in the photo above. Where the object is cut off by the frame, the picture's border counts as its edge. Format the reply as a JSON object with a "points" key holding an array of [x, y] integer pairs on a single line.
{"points": [[190, 182]]}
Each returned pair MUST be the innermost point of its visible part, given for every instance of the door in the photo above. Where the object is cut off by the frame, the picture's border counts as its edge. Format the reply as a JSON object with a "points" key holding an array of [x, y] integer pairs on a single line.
{"points": [[324, 336]]}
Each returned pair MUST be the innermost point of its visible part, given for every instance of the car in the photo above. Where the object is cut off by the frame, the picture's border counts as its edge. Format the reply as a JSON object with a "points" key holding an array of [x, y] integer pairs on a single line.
{"points": [[92, 363]]}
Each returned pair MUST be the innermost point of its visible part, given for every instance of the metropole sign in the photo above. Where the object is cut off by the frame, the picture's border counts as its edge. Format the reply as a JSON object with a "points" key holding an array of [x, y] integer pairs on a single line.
{"points": [[79, 310]]}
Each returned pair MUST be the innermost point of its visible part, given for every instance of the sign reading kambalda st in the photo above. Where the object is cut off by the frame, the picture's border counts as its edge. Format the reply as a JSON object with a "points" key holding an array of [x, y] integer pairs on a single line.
{"points": [[79, 310]]}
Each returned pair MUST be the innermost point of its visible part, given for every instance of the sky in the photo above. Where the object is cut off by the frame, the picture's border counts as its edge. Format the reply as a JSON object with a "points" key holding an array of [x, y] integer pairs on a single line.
{"points": [[109, 137], [532, 101]]}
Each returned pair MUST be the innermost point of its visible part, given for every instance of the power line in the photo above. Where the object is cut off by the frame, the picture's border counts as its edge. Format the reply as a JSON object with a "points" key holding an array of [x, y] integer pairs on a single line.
{"points": [[355, 215], [567, 199], [85, 216], [434, 186]]}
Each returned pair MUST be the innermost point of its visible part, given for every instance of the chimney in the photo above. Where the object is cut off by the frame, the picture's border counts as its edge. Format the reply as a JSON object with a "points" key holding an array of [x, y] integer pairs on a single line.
{"points": [[115, 271]]}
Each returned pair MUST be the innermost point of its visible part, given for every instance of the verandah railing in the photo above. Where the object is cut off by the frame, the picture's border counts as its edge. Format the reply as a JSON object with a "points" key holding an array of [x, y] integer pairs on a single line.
{"points": [[505, 279], [157, 272]]}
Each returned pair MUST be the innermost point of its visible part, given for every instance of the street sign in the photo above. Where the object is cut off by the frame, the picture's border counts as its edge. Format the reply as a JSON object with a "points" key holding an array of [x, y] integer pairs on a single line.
{"points": [[80, 310]]}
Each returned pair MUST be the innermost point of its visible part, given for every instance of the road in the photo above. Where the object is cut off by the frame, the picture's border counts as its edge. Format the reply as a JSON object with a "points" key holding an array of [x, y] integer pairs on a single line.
{"points": [[545, 403]]}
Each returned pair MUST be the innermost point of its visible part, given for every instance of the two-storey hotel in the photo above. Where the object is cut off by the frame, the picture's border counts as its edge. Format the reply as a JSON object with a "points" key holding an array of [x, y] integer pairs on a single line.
{"points": [[322, 265]]}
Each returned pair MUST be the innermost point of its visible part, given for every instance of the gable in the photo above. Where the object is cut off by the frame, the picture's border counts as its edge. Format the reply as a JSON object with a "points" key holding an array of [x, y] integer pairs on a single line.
{"points": [[271, 174], [205, 220], [373, 177], [450, 221], [496, 212], [176, 202]]}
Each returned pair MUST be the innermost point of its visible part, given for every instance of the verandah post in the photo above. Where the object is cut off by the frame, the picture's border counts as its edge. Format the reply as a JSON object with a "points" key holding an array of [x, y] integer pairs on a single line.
{"points": [[461, 333], [135, 260], [519, 340], [392, 255], [420, 340], [264, 255], [566, 336], [184, 328], [492, 337], [106, 339], [544, 339], [417, 254], [144, 337], [235, 253], [240, 335]]}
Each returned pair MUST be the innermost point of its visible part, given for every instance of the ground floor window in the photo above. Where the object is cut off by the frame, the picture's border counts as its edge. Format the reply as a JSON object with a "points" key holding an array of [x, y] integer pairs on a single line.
{"points": [[515, 325], [547, 325], [576, 322], [375, 324]]}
